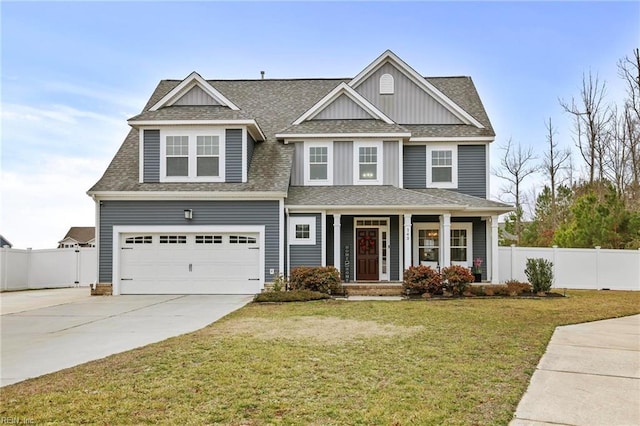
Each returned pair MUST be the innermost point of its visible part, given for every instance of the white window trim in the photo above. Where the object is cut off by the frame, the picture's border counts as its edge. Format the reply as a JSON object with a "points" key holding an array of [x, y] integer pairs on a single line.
{"points": [[307, 173], [192, 134], [356, 163], [417, 226], [454, 166], [302, 220]]}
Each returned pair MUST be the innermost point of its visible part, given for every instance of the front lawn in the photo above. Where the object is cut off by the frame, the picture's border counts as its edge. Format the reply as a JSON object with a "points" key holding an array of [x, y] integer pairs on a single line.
{"points": [[326, 362]]}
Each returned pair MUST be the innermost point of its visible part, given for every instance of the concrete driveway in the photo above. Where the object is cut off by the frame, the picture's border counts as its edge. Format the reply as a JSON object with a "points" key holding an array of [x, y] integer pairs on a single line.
{"points": [[48, 339]]}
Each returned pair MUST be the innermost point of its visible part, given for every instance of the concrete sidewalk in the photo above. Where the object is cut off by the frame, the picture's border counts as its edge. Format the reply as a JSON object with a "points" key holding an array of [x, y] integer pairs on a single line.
{"points": [[589, 375], [47, 339], [12, 302]]}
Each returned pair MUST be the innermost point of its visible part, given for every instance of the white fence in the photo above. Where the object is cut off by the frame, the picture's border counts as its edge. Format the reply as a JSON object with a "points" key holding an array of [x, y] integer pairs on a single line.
{"points": [[51, 268], [576, 268]]}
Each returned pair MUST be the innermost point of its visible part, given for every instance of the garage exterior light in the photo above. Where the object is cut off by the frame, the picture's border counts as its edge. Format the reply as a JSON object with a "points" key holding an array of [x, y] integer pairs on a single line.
{"points": [[188, 214]]}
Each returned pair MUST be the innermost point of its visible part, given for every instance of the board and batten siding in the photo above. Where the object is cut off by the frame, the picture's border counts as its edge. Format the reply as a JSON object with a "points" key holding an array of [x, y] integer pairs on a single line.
{"points": [[233, 153], [391, 163], [409, 104], [343, 108], [346, 240], [394, 250], [414, 159], [472, 170], [343, 163], [297, 169], [161, 213], [196, 96], [307, 255], [151, 155]]}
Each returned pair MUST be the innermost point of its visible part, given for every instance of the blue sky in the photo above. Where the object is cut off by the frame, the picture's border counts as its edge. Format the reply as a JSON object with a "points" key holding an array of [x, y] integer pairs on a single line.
{"points": [[73, 72]]}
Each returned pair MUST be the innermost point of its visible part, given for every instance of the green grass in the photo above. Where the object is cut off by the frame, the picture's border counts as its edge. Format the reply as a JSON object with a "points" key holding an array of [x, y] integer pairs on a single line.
{"points": [[328, 362]]}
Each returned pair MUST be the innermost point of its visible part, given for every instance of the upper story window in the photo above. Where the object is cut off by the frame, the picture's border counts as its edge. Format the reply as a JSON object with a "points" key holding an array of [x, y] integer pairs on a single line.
{"points": [[442, 166], [188, 155], [318, 167], [367, 163], [387, 86]]}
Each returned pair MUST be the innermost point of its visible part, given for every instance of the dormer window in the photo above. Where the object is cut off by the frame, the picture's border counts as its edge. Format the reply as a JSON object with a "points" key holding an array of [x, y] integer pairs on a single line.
{"points": [[318, 163], [387, 86], [192, 155], [367, 164]]}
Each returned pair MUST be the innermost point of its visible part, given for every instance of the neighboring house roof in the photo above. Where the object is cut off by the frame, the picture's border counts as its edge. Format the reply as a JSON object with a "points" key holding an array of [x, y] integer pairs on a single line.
{"points": [[386, 196], [274, 105], [4, 242], [80, 234]]}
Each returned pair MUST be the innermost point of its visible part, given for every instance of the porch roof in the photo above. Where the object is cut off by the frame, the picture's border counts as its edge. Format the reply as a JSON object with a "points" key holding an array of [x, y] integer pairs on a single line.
{"points": [[387, 196]]}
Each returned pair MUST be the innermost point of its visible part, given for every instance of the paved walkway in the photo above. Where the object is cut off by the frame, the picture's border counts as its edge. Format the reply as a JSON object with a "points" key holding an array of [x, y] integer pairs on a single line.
{"points": [[42, 340], [589, 375], [26, 300]]}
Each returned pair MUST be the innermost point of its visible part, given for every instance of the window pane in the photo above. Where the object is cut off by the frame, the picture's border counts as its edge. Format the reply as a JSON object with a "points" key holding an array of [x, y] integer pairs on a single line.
{"points": [[208, 145], [429, 254], [318, 154], [302, 231], [368, 171], [177, 145], [459, 254], [441, 174], [208, 166], [318, 171], [177, 166], [441, 158]]}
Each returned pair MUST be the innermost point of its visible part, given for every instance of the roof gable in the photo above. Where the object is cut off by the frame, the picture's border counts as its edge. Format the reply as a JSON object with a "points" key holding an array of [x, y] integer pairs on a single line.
{"points": [[388, 57], [184, 91], [196, 96], [342, 94]]}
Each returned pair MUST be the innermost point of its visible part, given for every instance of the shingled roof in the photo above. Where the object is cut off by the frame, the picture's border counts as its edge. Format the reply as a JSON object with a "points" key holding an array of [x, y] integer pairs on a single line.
{"points": [[274, 105]]}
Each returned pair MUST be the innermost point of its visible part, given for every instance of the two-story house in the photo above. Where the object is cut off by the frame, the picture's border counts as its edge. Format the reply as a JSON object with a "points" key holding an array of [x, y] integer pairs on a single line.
{"points": [[221, 185]]}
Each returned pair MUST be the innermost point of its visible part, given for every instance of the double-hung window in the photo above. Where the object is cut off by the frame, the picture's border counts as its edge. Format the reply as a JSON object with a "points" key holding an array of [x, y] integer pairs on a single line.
{"points": [[192, 155], [367, 165], [318, 163], [442, 167]]}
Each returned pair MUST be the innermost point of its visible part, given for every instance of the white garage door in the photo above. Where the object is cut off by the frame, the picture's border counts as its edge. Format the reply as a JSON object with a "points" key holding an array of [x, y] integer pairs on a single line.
{"points": [[189, 263]]}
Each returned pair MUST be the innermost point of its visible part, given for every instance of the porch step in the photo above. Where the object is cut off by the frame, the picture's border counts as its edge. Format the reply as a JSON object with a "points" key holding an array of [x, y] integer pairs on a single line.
{"points": [[373, 288]]}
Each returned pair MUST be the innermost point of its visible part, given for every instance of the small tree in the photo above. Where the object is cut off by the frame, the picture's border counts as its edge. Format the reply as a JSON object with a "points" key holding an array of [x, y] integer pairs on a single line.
{"points": [[539, 271], [457, 278]]}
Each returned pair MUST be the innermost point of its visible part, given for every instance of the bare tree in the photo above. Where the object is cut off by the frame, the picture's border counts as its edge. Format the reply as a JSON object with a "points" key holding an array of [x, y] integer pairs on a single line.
{"points": [[552, 163], [516, 165], [591, 117], [629, 71]]}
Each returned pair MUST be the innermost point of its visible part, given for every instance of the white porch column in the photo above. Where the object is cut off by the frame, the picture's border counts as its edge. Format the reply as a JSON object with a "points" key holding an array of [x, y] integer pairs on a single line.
{"points": [[495, 265], [337, 259], [445, 240], [407, 241]]}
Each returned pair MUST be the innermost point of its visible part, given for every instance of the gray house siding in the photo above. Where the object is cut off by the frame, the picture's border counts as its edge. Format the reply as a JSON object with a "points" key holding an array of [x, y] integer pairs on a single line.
{"points": [[297, 169], [391, 163], [196, 96], [113, 213], [307, 255], [151, 155], [342, 108], [329, 245], [409, 104], [343, 163], [480, 244], [251, 143], [233, 154], [414, 158], [472, 170], [394, 255]]}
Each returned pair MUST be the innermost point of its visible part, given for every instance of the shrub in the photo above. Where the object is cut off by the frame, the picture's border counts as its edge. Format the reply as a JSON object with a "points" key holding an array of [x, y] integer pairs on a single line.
{"points": [[422, 279], [457, 278], [280, 283], [517, 287], [290, 296], [324, 279], [540, 274]]}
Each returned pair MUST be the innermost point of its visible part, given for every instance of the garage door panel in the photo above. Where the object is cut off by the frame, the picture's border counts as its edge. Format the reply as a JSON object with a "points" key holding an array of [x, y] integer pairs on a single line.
{"points": [[231, 265]]}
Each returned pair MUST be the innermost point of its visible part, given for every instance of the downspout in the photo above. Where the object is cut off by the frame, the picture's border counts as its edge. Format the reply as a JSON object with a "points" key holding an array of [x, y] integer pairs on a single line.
{"points": [[286, 245]]}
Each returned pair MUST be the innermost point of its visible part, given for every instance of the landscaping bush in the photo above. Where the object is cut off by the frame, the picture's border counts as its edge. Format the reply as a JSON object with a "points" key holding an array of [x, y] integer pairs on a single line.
{"points": [[280, 283], [516, 287], [290, 296], [324, 279], [422, 279], [457, 278], [539, 271]]}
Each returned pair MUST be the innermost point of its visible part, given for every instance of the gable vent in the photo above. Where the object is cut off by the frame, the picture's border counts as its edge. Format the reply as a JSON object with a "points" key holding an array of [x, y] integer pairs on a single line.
{"points": [[386, 84]]}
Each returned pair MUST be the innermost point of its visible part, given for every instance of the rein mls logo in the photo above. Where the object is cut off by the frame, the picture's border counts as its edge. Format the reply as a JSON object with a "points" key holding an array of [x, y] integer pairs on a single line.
{"points": [[16, 421]]}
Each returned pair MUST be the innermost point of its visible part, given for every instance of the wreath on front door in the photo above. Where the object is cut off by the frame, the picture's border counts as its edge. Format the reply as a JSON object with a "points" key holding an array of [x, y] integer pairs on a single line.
{"points": [[367, 242]]}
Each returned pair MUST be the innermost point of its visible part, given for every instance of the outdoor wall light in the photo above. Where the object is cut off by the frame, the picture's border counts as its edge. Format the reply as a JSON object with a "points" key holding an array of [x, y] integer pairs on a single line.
{"points": [[188, 214]]}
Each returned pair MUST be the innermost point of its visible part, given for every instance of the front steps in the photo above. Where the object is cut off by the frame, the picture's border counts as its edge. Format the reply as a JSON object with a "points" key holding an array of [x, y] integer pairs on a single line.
{"points": [[376, 288]]}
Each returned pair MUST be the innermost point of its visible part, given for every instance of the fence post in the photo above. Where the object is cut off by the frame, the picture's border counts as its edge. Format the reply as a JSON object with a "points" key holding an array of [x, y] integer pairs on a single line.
{"points": [[555, 264], [3, 267], [597, 267], [513, 261], [29, 253], [77, 281]]}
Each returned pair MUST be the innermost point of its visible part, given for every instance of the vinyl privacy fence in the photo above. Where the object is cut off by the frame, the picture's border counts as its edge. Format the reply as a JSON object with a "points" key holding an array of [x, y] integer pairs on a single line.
{"points": [[49, 268], [592, 269]]}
